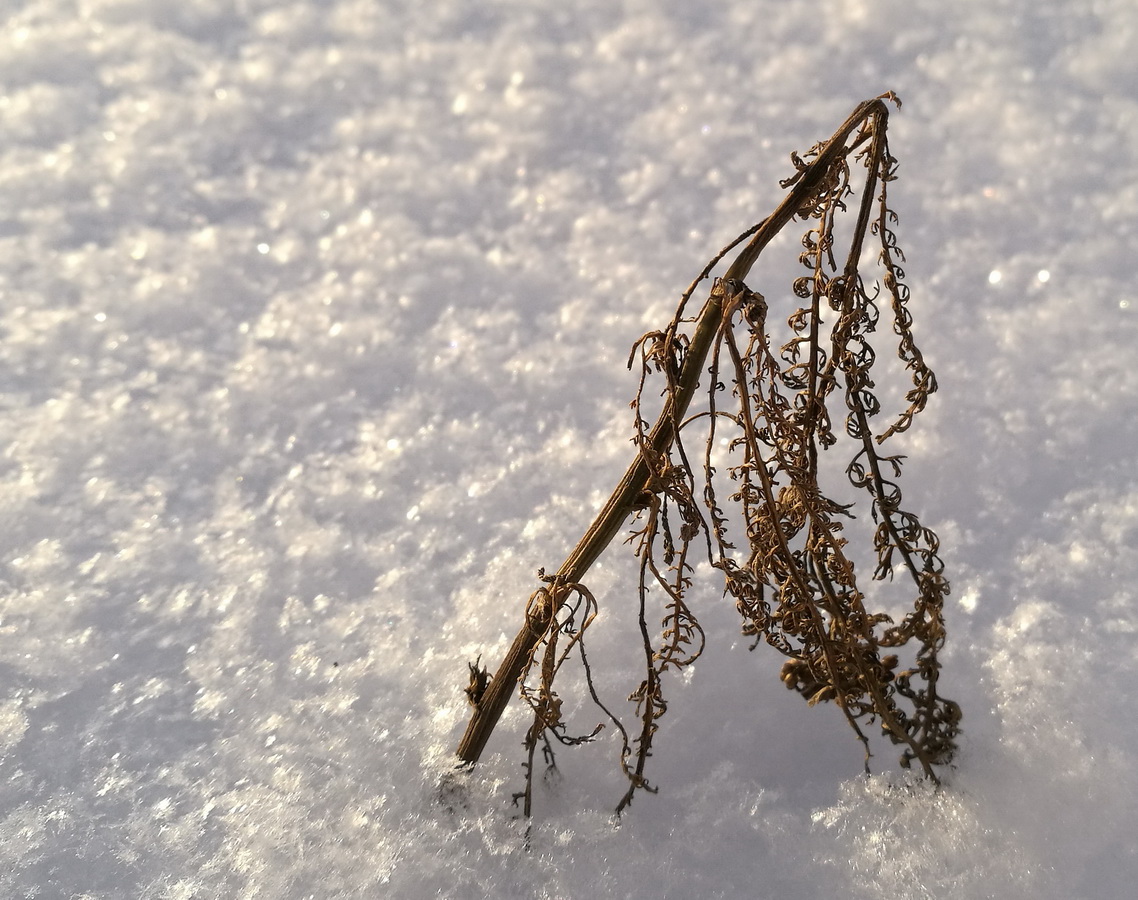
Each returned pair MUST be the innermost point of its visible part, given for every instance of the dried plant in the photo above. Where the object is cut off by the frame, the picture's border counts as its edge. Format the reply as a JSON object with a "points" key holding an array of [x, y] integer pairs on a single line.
{"points": [[780, 541]]}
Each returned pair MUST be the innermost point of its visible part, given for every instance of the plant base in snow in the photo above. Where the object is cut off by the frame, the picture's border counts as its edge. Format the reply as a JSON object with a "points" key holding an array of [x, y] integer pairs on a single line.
{"points": [[772, 415]]}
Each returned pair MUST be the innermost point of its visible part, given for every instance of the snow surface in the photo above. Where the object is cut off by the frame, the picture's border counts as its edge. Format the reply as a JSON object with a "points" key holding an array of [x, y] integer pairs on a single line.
{"points": [[314, 325]]}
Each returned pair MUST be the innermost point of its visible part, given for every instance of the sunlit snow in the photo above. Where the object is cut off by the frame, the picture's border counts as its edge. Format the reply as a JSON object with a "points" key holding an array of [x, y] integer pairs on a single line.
{"points": [[314, 323]]}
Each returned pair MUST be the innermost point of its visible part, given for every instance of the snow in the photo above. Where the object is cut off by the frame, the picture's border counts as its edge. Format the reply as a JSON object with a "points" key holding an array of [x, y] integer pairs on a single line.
{"points": [[314, 321]]}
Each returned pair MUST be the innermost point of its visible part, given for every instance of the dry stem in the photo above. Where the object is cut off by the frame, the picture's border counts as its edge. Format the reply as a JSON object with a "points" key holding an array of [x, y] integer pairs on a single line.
{"points": [[793, 531]]}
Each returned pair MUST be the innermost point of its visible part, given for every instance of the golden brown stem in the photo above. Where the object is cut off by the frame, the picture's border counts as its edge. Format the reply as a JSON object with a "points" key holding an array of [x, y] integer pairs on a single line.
{"points": [[626, 498]]}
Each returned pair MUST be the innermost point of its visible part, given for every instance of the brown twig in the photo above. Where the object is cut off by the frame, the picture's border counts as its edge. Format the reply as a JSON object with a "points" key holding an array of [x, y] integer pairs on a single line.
{"points": [[794, 532], [625, 499]]}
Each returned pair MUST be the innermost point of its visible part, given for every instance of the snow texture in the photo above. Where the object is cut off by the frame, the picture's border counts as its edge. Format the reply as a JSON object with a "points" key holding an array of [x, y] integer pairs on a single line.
{"points": [[314, 321]]}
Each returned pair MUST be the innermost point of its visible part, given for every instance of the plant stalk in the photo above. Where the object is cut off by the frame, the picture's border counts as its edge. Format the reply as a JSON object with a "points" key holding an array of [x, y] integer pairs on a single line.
{"points": [[628, 494]]}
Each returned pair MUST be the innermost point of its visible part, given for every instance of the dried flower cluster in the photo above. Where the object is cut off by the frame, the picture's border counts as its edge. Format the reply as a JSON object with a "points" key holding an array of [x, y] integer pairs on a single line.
{"points": [[778, 537]]}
